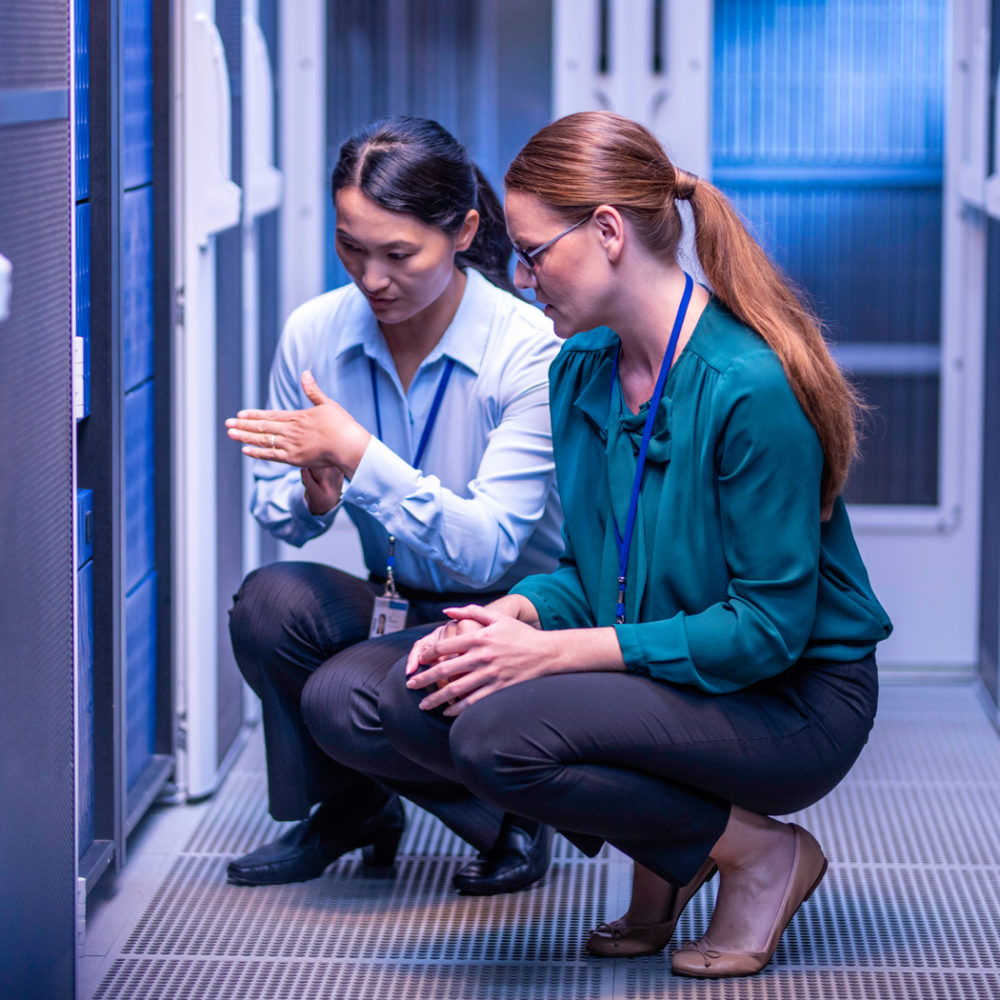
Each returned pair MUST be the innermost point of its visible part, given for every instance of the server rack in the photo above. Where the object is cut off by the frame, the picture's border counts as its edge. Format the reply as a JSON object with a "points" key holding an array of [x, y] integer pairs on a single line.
{"points": [[38, 553], [126, 745]]}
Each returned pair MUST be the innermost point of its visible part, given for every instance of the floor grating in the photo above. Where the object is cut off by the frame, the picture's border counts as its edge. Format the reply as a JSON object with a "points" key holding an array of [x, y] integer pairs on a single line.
{"points": [[909, 908]]}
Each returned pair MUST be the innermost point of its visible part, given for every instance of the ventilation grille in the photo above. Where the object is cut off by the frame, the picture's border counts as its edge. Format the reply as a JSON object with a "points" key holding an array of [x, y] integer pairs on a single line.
{"points": [[908, 909]]}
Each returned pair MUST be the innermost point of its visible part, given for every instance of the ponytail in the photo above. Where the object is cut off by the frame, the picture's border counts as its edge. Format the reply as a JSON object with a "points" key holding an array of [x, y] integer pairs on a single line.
{"points": [[745, 280], [597, 157], [490, 250]]}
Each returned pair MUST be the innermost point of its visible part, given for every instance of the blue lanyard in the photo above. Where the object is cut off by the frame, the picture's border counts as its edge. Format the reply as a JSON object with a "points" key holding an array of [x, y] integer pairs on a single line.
{"points": [[624, 542], [431, 416]]}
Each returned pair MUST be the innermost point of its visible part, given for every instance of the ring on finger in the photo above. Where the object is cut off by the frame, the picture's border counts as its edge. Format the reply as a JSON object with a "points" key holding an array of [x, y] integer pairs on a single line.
{"points": [[272, 442]]}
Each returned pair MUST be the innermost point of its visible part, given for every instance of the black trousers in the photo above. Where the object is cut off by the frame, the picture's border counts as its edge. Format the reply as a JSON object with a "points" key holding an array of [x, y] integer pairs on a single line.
{"points": [[653, 768], [300, 637]]}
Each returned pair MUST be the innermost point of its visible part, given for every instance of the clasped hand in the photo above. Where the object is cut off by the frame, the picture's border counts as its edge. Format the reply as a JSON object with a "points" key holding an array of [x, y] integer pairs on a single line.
{"points": [[478, 652]]}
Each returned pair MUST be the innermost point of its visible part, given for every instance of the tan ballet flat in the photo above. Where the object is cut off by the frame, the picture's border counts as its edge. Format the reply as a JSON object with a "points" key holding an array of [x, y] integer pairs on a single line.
{"points": [[621, 940], [703, 960]]}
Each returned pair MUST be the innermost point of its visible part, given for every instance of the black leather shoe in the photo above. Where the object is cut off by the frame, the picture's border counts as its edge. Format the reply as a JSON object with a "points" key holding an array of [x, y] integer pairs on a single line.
{"points": [[305, 851], [518, 858]]}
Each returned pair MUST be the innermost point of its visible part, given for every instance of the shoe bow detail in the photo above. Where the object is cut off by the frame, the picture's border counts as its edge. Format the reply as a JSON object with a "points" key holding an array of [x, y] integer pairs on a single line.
{"points": [[702, 947], [615, 929]]}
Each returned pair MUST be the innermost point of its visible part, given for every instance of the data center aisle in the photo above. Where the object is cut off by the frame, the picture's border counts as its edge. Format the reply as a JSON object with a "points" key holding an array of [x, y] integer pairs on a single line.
{"points": [[908, 909]]}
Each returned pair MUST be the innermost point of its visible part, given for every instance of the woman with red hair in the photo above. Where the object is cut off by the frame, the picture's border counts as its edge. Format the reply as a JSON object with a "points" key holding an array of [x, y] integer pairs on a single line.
{"points": [[703, 657]]}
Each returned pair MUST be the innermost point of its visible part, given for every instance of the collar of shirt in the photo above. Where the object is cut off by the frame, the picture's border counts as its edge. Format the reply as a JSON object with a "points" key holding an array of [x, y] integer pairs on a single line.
{"points": [[464, 340]]}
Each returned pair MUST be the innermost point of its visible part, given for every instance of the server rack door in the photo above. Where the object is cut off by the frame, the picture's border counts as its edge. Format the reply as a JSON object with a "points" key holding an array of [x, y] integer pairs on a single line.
{"points": [[122, 310], [37, 556]]}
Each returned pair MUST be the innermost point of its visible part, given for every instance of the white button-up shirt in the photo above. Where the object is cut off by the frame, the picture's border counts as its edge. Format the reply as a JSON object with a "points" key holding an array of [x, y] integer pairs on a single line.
{"points": [[483, 511]]}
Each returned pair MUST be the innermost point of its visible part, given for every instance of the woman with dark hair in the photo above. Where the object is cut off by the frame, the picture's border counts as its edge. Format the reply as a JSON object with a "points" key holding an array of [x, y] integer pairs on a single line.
{"points": [[703, 657], [416, 399]]}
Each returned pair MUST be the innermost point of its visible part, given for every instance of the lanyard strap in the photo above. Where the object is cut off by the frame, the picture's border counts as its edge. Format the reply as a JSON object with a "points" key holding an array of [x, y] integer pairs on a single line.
{"points": [[431, 416], [390, 582], [624, 542]]}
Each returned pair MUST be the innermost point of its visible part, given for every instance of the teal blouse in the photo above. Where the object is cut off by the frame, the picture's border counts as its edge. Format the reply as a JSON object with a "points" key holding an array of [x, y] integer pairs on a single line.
{"points": [[732, 576]]}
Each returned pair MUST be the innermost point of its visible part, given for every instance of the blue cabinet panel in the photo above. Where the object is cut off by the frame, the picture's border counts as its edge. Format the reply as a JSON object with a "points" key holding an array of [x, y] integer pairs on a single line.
{"points": [[840, 82], [83, 294], [85, 705], [828, 126], [140, 678], [139, 510], [137, 93], [828, 135], [870, 256], [82, 86], [137, 286]]}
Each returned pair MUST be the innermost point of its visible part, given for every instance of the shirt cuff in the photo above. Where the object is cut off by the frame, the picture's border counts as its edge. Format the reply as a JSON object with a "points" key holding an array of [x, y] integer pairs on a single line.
{"points": [[381, 483], [657, 649]]}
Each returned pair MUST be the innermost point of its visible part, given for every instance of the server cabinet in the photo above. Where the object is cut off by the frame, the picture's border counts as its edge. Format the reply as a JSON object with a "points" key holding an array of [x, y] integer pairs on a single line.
{"points": [[37, 505], [122, 307]]}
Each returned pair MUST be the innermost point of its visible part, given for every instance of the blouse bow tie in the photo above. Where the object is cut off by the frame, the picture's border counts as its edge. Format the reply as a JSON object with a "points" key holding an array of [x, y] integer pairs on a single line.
{"points": [[593, 401]]}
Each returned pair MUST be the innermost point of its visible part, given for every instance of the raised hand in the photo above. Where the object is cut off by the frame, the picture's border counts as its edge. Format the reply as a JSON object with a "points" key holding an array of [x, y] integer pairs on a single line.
{"points": [[325, 435]]}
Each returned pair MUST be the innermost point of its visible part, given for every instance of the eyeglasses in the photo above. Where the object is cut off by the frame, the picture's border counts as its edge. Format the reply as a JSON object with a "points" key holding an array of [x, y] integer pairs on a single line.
{"points": [[527, 257]]}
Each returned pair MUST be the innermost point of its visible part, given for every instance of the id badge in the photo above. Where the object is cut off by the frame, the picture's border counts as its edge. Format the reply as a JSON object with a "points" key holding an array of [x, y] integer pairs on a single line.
{"points": [[388, 616]]}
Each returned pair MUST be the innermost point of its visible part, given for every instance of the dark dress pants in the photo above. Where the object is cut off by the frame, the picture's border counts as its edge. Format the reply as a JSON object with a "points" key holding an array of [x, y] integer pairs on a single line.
{"points": [[648, 766], [300, 637]]}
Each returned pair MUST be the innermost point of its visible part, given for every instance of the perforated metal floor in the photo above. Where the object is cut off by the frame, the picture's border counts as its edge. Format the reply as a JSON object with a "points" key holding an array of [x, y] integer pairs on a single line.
{"points": [[909, 909]]}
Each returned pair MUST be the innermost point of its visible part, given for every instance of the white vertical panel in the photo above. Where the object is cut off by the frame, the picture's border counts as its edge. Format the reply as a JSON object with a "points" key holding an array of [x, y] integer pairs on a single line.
{"points": [[206, 201], [674, 101]]}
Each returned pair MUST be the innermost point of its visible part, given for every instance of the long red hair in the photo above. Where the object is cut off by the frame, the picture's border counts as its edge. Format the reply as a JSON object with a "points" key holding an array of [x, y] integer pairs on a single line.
{"points": [[597, 157]]}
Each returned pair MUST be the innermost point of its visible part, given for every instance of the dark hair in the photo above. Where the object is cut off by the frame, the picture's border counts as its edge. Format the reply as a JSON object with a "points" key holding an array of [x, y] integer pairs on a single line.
{"points": [[415, 166], [597, 157]]}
